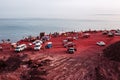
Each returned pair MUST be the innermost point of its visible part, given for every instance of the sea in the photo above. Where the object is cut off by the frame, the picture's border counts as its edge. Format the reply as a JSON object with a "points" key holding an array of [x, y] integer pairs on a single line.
{"points": [[16, 29]]}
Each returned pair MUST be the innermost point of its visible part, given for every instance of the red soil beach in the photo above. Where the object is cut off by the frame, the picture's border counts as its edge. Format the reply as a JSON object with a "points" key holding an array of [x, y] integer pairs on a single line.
{"points": [[87, 63]]}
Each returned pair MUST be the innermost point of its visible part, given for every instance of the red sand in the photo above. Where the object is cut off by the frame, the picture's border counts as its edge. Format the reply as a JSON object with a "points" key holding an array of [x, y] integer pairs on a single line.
{"points": [[65, 66], [82, 43]]}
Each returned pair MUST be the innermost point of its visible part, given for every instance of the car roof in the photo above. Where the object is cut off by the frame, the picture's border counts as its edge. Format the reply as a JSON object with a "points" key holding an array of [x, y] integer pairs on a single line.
{"points": [[21, 45]]}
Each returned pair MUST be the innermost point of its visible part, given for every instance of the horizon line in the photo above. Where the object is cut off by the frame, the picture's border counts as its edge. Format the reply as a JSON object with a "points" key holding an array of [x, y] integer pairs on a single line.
{"points": [[52, 19]]}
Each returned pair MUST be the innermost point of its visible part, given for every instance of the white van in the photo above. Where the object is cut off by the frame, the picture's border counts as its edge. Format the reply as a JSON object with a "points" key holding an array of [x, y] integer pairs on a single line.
{"points": [[20, 47]]}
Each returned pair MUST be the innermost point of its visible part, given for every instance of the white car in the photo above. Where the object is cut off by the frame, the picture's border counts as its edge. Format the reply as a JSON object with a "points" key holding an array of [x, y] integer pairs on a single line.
{"points": [[65, 41], [117, 34], [38, 44], [101, 43], [20, 47], [37, 41], [37, 47]]}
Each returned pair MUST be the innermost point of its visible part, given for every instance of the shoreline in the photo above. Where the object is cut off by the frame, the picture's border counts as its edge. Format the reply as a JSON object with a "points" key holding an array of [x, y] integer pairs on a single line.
{"points": [[60, 32]]}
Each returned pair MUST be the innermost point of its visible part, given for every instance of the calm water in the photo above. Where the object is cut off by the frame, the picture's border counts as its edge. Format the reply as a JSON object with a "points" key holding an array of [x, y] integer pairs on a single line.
{"points": [[16, 29]]}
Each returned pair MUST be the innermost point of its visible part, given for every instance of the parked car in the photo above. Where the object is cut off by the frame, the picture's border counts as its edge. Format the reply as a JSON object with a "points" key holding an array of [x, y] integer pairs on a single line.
{"points": [[20, 47], [105, 32], [110, 34], [37, 47], [69, 44], [69, 38], [37, 41], [117, 34], [101, 43], [86, 35], [14, 45], [48, 45], [71, 50], [65, 41]]}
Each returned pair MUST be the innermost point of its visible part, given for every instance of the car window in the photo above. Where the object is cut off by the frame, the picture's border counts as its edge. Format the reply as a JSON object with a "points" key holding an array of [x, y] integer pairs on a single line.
{"points": [[37, 45], [17, 47]]}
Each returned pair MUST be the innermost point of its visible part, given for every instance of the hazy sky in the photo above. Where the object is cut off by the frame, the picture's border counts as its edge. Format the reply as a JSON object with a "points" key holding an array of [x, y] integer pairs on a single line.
{"points": [[66, 9]]}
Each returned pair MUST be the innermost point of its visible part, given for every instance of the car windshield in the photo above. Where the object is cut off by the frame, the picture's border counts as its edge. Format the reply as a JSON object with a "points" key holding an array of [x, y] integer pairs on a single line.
{"points": [[37, 45], [17, 47], [101, 42], [71, 49]]}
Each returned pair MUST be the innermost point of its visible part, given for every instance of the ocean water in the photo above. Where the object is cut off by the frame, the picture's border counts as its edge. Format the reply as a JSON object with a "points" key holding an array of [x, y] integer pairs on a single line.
{"points": [[16, 29]]}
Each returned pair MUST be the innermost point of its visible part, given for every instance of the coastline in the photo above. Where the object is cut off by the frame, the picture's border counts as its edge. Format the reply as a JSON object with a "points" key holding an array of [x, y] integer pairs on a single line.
{"points": [[17, 29]]}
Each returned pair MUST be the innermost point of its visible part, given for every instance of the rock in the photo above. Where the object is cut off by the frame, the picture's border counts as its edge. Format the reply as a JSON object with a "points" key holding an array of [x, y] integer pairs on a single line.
{"points": [[112, 52]]}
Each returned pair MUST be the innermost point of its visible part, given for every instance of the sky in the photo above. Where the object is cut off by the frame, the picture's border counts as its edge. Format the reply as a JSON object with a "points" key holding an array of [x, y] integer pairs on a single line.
{"points": [[63, 9]]}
